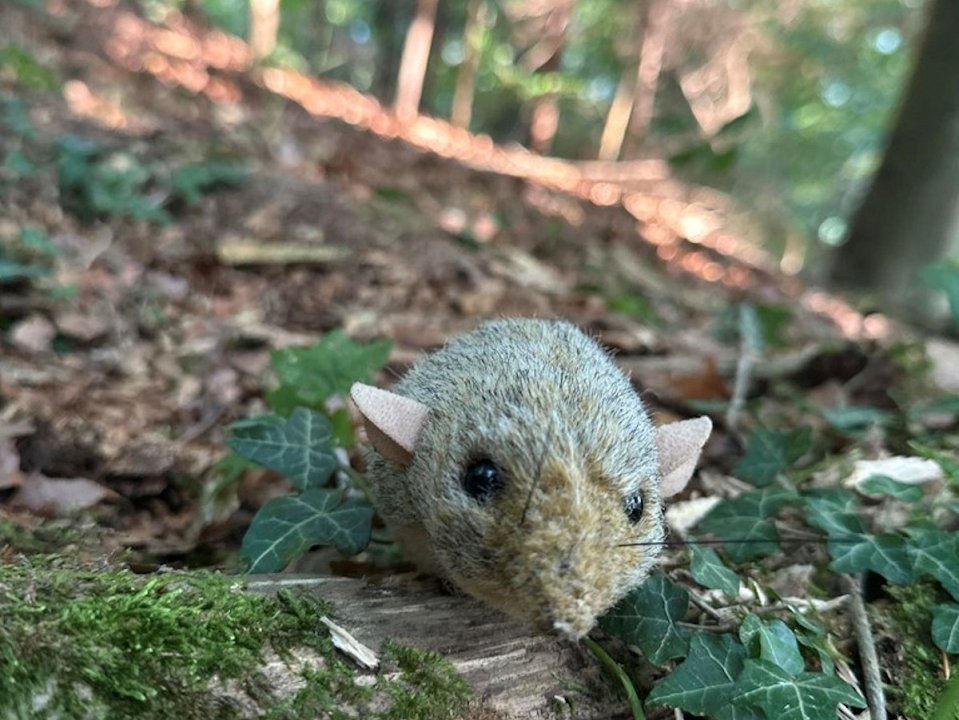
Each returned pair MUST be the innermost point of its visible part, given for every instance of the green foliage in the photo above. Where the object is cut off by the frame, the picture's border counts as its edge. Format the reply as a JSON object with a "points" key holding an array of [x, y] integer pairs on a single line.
{"points": [[310, 376], [773, 642], [27, 256], [97, 182], [298, 442], [944, 276], [192, 182], [705, 682], [708, 570], [635, 306], [26, 69], [791, 696], [853, 419], [287, 527], [768, 453], [882, 485], [945, 627], [647, 618], [298, 448], [763, 672], [749, 520]]}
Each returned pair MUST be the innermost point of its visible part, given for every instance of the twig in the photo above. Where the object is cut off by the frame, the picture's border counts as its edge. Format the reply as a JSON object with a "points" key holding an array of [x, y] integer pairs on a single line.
{"points": [[614, 669], [867, 648], [750, 349]]}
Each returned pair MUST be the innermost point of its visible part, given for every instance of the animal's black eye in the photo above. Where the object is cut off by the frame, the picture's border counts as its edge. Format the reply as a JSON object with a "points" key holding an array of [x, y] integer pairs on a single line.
{"points": [[482, 480], [634, 508]]}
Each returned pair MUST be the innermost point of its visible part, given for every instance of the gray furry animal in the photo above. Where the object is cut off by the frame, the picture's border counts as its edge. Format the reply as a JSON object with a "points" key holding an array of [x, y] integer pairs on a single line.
{"points": [[519, 462]]}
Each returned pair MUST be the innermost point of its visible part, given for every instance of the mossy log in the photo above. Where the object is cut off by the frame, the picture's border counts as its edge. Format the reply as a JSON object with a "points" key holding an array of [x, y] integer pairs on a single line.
{"points": [[514, 672]]}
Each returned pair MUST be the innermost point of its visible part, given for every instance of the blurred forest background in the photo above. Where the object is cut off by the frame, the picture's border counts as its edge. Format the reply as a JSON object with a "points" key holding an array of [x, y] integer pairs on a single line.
{"points": [[784, 106]]}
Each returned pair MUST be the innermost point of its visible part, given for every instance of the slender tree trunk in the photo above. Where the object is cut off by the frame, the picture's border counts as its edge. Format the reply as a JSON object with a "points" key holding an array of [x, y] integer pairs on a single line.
{"points": [[462, 113], [264, 25], [416, 53], [617, 119], [910, 216]]}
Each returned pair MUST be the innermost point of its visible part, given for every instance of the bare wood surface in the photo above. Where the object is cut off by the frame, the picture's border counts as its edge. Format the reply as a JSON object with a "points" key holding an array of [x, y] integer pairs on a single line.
{"points": [[514, 673]]}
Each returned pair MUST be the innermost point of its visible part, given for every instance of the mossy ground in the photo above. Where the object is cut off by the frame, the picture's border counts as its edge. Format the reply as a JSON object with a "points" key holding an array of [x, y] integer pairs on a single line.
{"points": [[82, 643], [910, 618]]}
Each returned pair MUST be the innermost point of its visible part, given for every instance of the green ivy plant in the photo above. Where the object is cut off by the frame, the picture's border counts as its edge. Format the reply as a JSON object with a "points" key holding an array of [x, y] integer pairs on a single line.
{"points": [[784, 667], [298, 439], [96, 181]]}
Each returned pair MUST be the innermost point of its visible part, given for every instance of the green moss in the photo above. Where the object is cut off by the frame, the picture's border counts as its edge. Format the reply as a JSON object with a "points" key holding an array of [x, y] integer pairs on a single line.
{"points": [[910, 619], [428, 686], [113, 644], [75, 642]]}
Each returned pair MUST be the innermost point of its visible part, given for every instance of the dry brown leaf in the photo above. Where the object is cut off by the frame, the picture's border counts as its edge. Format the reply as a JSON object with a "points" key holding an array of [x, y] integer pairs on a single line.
{"points": [[34, 334], [59, 496], [82, 326], [10, 475], [911, 470], [944, 356]]}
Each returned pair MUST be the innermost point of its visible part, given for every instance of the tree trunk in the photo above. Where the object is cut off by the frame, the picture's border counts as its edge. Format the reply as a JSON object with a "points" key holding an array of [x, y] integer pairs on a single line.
{"points": [[462, 113], [264, 24], [617, 119], [416, 53], [910, 216]]}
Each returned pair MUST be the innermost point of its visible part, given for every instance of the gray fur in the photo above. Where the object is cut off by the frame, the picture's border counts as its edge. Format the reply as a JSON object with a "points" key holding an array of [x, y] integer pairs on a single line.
{"points": [[549, 407]]}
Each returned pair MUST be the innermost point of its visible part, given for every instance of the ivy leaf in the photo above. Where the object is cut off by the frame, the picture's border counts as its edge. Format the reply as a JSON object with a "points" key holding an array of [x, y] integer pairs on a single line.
{"points": [[807, 696], [769, 452], [830, 511], [936, 553], [705, 682], [310, 376], [773, 642], [885, 485], [647, 618], [851, 419], [887, 554], [945, 627], [947, 461], [746, 522], [709, 571], [298, 448], [11, 271], [289, 526]]}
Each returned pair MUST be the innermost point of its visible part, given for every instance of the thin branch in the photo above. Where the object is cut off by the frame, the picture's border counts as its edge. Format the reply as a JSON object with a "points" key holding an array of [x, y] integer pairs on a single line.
{"points": [[750, 350], [867, 648]]}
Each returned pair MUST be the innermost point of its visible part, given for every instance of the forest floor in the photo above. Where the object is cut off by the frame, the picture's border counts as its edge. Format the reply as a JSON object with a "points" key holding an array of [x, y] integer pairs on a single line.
{"points": [[145, 333]]}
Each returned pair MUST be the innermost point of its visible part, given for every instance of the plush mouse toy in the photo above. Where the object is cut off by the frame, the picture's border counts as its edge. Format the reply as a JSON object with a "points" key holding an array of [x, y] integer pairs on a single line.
{"points": [[519, 463]]}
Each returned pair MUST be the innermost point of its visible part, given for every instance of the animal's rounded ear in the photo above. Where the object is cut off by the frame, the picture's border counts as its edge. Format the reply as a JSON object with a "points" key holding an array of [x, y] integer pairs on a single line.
{"points": [[679, 445], [393, 422]]}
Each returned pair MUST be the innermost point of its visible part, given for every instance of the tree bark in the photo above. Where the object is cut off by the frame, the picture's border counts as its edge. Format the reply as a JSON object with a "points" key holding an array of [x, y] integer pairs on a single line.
{"points": [[910, 216], [617, 119], [416, 53]]}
